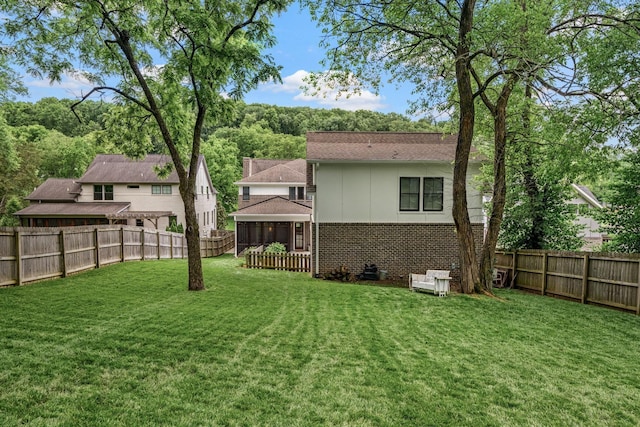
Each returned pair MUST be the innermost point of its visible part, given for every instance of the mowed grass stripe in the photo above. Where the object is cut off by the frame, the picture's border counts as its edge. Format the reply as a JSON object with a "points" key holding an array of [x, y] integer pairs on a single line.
{"points": [[128, 345]]}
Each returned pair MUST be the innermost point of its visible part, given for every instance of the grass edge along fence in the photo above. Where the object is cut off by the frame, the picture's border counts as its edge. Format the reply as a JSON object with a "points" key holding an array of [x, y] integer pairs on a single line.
{"points": [[38, 253], [291, 261], [606, 279]]}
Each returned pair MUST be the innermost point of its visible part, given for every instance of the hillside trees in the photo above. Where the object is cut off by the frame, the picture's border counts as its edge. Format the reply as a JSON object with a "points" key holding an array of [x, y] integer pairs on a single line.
{"points": [[167, 62], [621, 218], [471, 52]]}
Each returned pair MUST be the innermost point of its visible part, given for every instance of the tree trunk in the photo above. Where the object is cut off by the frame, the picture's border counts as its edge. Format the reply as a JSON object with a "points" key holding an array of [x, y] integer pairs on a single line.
{"points": [[192, 233], [469, 276], [499, 187]]}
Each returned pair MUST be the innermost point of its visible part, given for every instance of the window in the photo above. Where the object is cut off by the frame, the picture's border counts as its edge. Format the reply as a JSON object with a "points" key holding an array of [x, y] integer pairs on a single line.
{"points": [[160, 189], [409, 194], [139, 222], [245, 193], [134, 186], [300, 193], [292, 193], [432, 194], [296, 193], [103, 192]]}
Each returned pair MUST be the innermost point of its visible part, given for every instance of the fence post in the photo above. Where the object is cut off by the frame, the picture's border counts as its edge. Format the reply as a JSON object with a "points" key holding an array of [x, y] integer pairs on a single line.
{"points": [[638, 293], [585, 278], [18, 258], [97, 237], [158, 237], [142, 244], [514, 268], [171, 245], [544, 272], [122, 243], [63, 251]]}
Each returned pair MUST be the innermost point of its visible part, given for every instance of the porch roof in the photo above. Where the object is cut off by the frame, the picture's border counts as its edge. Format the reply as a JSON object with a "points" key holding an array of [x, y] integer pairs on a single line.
{"points": [[93, 209]]}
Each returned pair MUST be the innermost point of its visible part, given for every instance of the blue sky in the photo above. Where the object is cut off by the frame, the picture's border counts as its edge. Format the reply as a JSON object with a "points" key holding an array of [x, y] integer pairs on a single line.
{"points": [[297, 51]]}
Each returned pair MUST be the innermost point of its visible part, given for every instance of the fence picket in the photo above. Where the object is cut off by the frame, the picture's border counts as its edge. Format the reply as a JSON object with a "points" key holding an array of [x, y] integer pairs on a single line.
{"points": [[299, 262], [590, 278], [56, 252]]}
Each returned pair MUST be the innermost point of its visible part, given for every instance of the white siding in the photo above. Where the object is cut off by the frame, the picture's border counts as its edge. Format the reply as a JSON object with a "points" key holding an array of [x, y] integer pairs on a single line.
{"points": [[142, 199], [205, 203], [268, 190], [348, 192]]}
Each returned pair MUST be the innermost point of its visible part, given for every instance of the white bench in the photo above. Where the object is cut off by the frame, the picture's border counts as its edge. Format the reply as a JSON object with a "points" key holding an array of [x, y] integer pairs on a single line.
{"points": [[436, 281]]}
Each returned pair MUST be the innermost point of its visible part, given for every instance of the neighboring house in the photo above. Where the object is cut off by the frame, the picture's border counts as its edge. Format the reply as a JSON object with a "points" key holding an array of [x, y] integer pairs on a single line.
{"points": [[584, 201], [273, 205], [386, 198], [119, 190]]}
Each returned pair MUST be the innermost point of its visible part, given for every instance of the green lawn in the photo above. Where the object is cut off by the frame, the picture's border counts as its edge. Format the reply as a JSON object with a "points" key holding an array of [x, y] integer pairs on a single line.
{"points": [[128, 345]]}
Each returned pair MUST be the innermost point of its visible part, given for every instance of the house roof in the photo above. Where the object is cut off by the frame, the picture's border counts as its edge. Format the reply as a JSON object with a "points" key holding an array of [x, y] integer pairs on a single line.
{"points": [[587, 195], [252, 166], [290, 171], [56, 189], [276, 205], [74, 209], [116, 168], [381, 146]]}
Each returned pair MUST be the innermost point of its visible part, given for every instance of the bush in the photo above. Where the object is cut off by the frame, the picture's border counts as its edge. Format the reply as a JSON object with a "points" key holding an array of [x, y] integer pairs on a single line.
{"points": [[276, 248]]}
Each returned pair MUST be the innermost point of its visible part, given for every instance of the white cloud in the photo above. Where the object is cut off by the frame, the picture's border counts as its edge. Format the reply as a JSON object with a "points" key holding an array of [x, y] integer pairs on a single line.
{"points": [[72, 83], [326, 94]]}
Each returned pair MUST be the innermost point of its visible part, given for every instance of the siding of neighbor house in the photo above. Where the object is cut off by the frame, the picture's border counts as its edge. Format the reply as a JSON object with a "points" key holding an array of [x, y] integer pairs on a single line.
{"points": [[352, 193], [132, 183]]}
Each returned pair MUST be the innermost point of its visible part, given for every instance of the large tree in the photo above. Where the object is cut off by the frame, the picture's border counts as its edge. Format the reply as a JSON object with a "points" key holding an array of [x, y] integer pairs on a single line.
{"points": [[171, 64], [471, 52]]}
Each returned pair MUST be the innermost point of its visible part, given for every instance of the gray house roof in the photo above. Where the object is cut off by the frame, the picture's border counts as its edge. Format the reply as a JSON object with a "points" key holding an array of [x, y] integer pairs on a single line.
{"points": [[99, 209], [381, 146], [276, 205], [56, 190], [290, 171], [116, 168]]}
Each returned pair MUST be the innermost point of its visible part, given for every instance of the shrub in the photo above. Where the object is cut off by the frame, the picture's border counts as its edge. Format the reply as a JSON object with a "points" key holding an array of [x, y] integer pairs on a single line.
{"points": [[276, 248]]}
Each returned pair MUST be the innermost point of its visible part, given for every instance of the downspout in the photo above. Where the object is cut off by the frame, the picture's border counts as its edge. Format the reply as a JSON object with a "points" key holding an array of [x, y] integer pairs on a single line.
{"points": [[316, 247]]}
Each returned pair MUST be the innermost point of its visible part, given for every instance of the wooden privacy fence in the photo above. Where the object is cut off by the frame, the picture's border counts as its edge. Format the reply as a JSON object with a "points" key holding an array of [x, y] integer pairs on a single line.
{"points": [[611, 280], [32, 254], [291, 261]]}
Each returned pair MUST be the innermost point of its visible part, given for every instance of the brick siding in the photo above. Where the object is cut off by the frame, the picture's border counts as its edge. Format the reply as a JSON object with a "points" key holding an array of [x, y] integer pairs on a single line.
{"points": [[400, 249]]}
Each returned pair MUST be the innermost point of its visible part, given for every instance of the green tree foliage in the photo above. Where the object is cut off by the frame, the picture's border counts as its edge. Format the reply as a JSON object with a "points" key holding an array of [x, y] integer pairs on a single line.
{"points": [[621, 218], [222, 161], [56, 114]]}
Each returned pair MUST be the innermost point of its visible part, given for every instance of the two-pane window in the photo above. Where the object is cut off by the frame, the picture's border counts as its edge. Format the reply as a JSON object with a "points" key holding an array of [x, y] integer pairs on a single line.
{"points": [[409, 194], [296, 193], [103, 192], [160, 189], [431, 190]]}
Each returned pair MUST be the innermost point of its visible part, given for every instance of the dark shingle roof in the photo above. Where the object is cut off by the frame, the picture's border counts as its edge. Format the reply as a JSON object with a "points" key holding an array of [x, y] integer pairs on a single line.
{"points": [[381, 146], [292, 171], [116, 168], [276, 205], [56, 189], [74, 209]]}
